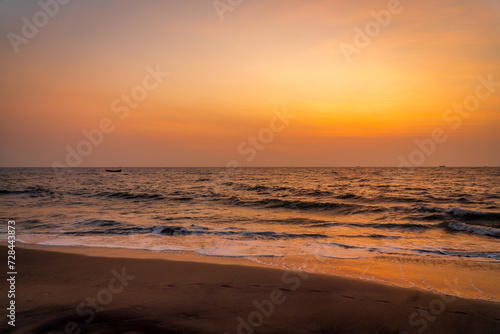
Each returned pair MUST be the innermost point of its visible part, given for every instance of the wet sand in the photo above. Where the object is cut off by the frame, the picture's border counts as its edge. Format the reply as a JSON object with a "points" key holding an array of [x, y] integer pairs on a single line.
{"points": [[124, 291]]}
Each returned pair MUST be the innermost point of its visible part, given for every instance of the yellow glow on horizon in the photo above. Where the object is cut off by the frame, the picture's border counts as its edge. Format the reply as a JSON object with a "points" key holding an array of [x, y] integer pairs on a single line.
{"points": [[227, 77]]}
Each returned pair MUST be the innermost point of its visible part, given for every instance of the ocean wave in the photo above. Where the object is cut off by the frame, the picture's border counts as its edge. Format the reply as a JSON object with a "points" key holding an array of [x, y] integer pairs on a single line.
{"points": [[463, 213], [111, 231], [256, 188], [373, 236], [448, 225], [31, 224], [348, 196], [233, 233], [295, 221], [395, 199], [276, 235], [171, 230], [274, 203], [416, 189], [430, 217], [6, 192], [401, 226], [266, 189], [132, 196], [340, 245], [100, 226], [99, 222], [479, 230], [203, 179], [32, 191], [310, 192], [110, 227], [349, 204], [182, 199], [487, 255]]}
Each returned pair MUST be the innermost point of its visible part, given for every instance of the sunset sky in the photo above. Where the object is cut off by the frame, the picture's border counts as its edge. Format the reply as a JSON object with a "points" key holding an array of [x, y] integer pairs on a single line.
{"points": [[227, 76]]}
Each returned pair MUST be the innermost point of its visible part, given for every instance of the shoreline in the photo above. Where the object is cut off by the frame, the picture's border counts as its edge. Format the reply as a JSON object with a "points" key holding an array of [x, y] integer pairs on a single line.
{"points": [[135, 253], [380, 269], [186, 295]]}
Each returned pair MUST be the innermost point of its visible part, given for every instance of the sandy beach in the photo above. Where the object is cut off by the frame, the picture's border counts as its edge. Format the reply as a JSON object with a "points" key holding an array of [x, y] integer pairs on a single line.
{"points": [[124, 291]]}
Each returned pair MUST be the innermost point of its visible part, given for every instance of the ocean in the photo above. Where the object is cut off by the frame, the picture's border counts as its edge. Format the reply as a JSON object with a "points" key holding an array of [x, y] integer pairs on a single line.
{"points": [[265, 214]]}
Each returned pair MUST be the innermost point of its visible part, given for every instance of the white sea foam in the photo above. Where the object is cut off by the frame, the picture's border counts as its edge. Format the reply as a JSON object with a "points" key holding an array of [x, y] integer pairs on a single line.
{"points": [[481, 230]]}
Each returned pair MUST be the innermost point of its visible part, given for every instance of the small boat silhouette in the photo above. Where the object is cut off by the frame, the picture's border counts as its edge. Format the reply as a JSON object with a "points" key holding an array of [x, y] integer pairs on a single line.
{"points": [[114, 170]]}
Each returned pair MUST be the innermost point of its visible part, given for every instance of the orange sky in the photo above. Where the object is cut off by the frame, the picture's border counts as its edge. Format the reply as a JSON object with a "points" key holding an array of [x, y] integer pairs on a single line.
{"points": [[226, 78]]}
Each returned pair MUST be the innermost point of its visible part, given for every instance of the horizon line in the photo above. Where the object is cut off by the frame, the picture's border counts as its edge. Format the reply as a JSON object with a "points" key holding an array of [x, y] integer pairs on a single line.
{"points": [[441, 166]]}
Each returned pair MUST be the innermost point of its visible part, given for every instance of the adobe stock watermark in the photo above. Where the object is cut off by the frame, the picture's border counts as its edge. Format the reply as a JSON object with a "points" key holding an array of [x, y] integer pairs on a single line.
{"points": [[223, 6], [120, 106], [31, 27], [372, 29], [104, 297], [420, 319], [254, 144], [265, 309], [453, 116], [265, 136], [248, 148]]}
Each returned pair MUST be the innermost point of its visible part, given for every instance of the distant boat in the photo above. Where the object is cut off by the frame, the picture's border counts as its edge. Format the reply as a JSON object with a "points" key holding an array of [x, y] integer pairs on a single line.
{"points": [[119, 170]]}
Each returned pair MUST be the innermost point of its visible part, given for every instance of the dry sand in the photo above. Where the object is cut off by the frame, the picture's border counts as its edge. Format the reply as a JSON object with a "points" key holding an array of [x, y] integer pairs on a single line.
{"points": [[145, 293]]}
